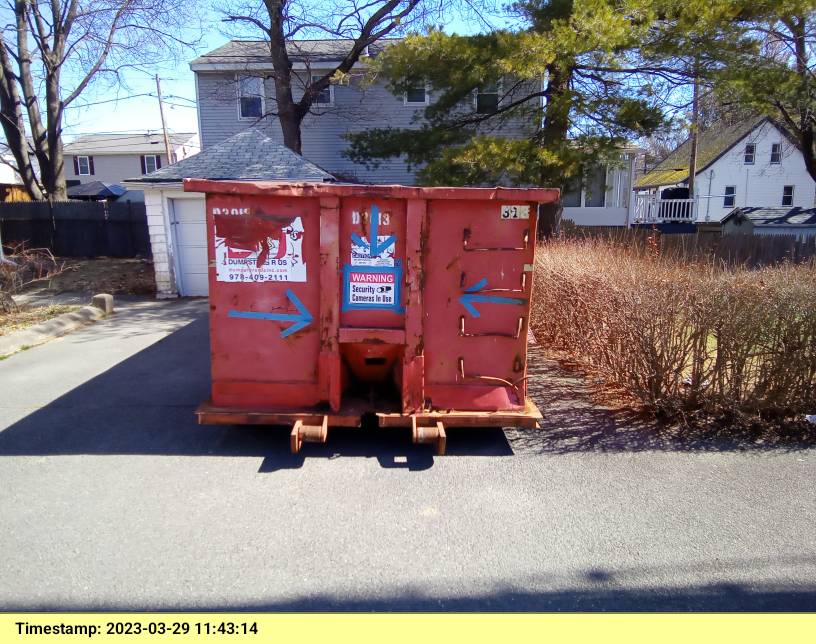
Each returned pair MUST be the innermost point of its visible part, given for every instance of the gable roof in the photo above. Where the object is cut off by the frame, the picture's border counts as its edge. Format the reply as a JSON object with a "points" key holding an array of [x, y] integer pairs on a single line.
{"points": [[251, 154], [711, 145], [243, 52], [776, 217], [147, 143]]}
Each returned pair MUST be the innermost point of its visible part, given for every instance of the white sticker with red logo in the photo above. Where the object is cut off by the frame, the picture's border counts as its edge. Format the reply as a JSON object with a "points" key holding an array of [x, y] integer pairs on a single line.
{"points": [[260, 252], [372, 290], [361, 255]]}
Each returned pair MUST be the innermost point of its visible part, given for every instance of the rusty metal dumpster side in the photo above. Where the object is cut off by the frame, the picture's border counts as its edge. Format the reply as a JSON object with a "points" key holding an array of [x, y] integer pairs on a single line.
{"points": [[329, 302]]}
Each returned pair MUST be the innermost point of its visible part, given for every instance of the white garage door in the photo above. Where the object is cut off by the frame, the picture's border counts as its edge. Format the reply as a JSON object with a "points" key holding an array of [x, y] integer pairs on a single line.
{"points": [[190, 230]]}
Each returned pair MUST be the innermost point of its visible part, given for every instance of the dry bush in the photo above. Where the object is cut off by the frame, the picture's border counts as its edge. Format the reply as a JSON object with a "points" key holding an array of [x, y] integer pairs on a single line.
{"points": [[22, 267], [681, 337]]}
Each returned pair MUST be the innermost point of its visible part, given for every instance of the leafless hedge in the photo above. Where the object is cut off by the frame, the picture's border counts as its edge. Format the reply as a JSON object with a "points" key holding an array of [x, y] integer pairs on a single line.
{"points": [[682, 337]]}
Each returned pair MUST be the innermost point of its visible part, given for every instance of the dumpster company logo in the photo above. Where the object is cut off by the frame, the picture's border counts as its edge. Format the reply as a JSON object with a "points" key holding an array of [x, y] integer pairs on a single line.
{"points": [[372, 287], [258, 247]]}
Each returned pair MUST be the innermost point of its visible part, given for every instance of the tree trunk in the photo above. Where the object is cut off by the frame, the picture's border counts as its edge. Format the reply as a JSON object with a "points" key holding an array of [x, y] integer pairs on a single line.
{"points": [[798, 30], [554, 135]]}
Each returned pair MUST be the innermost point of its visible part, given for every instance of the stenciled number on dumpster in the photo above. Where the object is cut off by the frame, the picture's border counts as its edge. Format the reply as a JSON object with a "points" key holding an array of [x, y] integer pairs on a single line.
{"points": [[471, 296], [377, 250]]}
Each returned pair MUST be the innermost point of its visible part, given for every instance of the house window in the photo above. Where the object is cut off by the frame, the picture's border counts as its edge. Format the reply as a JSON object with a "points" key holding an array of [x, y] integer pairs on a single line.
{"points": [[326, 95], [150, 163], [787, 195], [82, 166], [730, 195], [487, 98], [750, 153], [417, 95], [776, 153], [595, 190], [571, 194], [250, 97]]}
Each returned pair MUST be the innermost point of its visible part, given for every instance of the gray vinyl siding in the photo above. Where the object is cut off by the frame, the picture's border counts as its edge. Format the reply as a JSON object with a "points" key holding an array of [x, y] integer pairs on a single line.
{"points": [[355, 109], [109, 168]]}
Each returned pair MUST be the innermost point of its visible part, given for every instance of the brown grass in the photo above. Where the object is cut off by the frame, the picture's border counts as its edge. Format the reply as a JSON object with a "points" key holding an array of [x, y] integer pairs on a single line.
{"points": [[24, 316], [681, 338]]}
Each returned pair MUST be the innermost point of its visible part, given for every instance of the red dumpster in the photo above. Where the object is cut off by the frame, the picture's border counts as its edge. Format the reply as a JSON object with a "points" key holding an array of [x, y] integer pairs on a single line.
{"points": [[331, 302]]}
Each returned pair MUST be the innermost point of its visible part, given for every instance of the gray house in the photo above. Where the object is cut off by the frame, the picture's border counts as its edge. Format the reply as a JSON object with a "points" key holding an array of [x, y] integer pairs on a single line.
{"points": [[110, 158], [234, 91]]}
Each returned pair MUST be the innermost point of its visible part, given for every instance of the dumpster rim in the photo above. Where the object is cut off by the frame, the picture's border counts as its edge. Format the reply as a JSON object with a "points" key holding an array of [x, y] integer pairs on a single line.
{"points": [[317, 189]]}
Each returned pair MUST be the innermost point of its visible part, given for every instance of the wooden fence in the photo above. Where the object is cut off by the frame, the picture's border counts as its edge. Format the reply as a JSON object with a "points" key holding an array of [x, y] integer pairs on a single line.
{"points": [[748, 250], [77, 228]]}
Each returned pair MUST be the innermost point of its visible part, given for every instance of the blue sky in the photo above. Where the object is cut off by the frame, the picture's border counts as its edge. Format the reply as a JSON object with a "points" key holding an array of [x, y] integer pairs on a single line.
{"points": [[133, 106]]}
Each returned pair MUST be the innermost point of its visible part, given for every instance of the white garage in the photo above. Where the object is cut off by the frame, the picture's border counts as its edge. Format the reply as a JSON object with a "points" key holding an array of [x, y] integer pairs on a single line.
{"points": [[177, 219]]}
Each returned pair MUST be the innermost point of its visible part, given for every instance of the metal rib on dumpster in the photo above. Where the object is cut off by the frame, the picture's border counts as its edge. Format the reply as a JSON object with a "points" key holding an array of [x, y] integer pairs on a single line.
{"points": [[334, 303]]}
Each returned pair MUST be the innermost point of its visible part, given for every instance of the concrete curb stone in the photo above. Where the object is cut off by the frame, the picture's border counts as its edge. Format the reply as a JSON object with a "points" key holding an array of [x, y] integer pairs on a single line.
{"points": [[48, 330]]}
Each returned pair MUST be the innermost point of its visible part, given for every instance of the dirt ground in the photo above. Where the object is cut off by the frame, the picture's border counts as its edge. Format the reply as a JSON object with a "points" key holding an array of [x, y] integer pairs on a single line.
{"points": [[101, 275]]}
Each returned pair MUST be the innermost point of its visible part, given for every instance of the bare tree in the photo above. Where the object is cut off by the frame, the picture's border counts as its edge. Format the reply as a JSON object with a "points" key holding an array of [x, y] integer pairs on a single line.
{"points": [[51, 51], [362, 22]]}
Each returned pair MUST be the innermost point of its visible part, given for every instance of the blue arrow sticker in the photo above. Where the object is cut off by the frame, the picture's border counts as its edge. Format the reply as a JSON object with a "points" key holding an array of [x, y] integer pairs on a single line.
{"points": [[470, 297], [375, 247], [301, 320]]}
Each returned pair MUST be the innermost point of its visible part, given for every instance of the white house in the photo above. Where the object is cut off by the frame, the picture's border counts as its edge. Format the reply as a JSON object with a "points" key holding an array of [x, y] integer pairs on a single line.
{"points": [[176, 219], [751, 164]]}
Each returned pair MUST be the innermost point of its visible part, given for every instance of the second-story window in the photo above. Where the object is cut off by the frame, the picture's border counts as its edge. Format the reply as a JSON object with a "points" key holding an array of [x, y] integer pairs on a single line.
{"points": [[487, 98], [776, 153], [729, 197], [150, 163], [326, 95], [750, 153], [250, 97], [417, 95], [787, 195], [83, 165]]}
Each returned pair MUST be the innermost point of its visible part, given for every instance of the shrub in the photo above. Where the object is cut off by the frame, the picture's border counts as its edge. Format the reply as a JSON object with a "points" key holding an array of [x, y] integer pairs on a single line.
{"points": [[681, 336]]}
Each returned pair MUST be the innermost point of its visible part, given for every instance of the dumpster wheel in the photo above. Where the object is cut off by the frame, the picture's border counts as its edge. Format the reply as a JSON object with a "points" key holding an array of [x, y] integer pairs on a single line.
{"points": [[308, 433], [433, 434]]}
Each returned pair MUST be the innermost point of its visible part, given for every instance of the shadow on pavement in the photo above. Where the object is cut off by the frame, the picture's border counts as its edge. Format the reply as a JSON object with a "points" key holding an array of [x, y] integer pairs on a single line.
{"points": [[145, 405], [716, 597]]}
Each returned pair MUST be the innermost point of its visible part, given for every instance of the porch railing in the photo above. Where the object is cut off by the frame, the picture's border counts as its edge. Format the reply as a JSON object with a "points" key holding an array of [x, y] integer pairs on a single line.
{"points": [[651, 209]]}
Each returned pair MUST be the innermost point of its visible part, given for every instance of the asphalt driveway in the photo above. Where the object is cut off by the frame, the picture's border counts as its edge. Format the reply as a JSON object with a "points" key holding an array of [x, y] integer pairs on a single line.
{"points": [[111, 497]]}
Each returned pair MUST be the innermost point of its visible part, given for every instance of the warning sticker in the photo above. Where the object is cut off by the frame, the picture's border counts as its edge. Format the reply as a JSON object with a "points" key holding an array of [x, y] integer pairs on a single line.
{"points": [[259, 249], [371, 288], [361, 255]]}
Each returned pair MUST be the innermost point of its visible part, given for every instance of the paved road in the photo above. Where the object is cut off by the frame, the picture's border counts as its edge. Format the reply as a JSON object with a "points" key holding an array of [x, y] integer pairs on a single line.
{"points": [[112, 498]]}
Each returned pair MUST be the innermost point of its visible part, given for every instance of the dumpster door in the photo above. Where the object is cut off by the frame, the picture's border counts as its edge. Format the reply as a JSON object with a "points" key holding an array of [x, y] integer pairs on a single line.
{"points": [[478, 279]]}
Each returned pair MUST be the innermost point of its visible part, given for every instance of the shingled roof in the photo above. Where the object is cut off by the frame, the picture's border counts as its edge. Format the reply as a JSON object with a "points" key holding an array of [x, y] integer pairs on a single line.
{"points": [[776, 217], [711, 145], [251, 154], [238, 52]]}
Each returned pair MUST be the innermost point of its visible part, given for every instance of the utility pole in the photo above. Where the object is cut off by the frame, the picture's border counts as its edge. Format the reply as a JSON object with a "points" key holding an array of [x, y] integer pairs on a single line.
{"points": [[164, 126], [695, 109]]}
